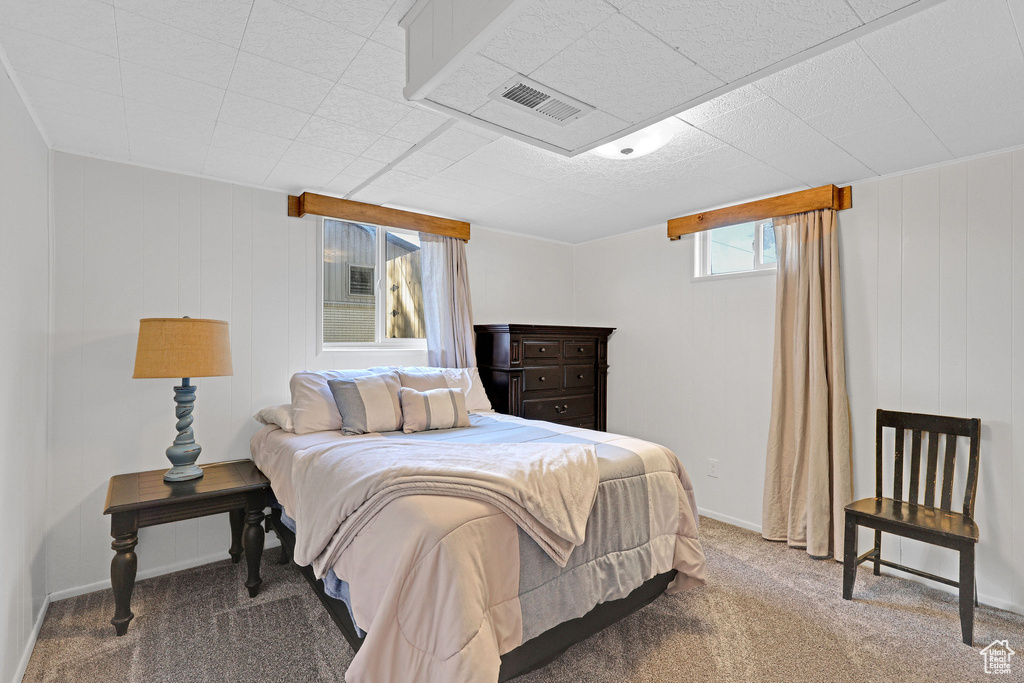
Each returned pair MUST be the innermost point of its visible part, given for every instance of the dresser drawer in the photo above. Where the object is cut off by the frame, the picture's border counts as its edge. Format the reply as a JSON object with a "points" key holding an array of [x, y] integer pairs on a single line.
{"points": [[543, 378], [586, 349], [558, 409], [584, 422], [541, 349], [579, 376]]}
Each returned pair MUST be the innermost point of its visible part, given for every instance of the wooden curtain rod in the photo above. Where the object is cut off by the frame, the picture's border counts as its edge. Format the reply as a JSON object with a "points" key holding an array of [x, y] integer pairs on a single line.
{"points": [[824, 197], [345, 209]]}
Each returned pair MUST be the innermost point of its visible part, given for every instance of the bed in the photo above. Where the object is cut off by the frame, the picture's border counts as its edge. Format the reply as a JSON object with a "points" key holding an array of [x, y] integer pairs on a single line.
{"points": [[433, 587]]}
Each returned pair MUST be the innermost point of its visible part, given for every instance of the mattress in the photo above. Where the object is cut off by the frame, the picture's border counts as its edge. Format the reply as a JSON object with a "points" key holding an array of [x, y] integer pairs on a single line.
{"points": [[444, 586]]}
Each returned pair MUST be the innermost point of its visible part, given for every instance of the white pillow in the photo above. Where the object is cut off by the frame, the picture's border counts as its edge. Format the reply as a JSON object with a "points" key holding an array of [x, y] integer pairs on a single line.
{"points": [[277, 415], [313, 406], [433, 409], [466, 379]]}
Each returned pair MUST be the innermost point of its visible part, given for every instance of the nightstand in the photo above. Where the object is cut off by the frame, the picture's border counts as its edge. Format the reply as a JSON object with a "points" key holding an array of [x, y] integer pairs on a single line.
{"points": [[144, 499]]}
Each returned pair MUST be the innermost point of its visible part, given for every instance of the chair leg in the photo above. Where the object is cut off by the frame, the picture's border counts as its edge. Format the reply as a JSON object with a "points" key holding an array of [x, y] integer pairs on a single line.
{"points": [[967, 593], [878, 553], [976, 603], [849, 556]]}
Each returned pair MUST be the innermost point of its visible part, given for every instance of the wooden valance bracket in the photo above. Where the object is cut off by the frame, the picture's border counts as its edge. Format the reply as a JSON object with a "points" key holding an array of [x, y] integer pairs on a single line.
{"points": [[347, 210], [824, 197]]}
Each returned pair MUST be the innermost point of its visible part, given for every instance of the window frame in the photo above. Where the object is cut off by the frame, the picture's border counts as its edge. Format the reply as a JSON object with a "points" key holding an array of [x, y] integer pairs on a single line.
{"points": [[380, 295], [702, 254]]}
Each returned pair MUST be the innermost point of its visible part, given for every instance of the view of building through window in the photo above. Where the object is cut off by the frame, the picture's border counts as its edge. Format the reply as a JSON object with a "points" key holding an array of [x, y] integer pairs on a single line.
{"points": [[372, 284], [735, 249]]}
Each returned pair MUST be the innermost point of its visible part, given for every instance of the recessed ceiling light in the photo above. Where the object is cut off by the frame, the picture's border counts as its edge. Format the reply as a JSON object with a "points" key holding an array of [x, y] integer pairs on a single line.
{"points": [[640, 143]]}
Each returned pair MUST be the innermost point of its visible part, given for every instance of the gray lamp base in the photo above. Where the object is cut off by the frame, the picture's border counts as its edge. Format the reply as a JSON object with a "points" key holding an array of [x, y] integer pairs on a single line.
{"points": [[183, 473], [184, 452]]}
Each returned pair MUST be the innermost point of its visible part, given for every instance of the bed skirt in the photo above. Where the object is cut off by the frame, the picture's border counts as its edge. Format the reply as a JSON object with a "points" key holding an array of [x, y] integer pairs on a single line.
{"points": [[532, 654]]}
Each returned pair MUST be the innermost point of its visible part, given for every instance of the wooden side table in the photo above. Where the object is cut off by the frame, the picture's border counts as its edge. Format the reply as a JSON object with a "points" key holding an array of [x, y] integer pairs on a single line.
{"points": [[144, 499]]}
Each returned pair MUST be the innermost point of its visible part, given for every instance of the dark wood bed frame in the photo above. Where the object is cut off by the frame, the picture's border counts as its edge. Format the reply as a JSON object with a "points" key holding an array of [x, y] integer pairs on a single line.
{"points": [[532, 654]]}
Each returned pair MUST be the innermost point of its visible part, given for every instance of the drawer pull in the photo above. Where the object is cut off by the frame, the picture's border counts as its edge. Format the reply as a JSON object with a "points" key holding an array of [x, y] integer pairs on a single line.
{"points": [[561, 409], [542, 378], [580, 349], [579, 376], [542, 349]]}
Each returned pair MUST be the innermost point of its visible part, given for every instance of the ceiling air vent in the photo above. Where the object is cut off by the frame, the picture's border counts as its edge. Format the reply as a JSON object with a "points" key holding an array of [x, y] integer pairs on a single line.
{"points": [[541, 101]]}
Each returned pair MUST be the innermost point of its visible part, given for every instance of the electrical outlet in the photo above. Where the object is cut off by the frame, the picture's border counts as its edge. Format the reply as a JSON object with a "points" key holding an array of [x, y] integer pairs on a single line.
{"points": [[712, 468]]}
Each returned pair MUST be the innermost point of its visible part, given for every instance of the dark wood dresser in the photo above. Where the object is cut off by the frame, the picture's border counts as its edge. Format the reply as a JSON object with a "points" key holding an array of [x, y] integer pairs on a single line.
{"points": [[546, 372]]}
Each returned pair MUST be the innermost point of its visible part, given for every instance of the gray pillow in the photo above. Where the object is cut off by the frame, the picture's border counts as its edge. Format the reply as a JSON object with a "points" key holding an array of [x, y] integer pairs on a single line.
{"points": [[433, 409], [368, 404]]}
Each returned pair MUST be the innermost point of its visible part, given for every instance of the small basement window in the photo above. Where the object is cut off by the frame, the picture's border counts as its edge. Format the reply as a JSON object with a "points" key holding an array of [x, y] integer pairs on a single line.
{"points": [[735, 249], [360, 280]]}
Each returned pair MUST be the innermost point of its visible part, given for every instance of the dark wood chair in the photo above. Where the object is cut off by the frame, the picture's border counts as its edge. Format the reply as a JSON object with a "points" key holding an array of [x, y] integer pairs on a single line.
{"points": [[918, 518]]}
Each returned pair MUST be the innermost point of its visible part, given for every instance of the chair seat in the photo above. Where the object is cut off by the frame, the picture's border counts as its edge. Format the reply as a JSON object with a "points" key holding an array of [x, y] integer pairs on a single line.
{"points": [[934, 520]]}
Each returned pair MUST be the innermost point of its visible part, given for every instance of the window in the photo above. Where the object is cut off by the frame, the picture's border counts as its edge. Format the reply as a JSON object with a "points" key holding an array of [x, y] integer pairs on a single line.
{"points": [[372, 287], [743, 248]]}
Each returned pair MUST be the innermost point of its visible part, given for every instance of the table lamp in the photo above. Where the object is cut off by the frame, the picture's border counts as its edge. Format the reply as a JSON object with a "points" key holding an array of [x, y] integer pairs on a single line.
{"points": [[183, 347]]}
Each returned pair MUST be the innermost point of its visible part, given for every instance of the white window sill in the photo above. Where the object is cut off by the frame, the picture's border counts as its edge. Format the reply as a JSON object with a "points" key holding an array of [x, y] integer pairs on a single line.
{"points": [[732, 276]]}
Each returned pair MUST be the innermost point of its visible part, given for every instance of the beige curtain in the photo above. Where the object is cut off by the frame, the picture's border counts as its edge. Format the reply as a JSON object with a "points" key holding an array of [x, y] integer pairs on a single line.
{"points": [[447, 308], [807, 479]]}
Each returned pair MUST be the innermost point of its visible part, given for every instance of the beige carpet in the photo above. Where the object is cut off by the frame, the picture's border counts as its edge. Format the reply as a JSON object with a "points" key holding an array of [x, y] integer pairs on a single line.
{"points": [[768, 613]]}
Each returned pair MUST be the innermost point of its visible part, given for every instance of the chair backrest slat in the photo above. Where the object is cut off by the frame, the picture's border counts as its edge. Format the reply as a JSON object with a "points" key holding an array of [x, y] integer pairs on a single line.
{"points": [[947, 472], [897, 468], [936, 425], [915, 467], [933, 463]]}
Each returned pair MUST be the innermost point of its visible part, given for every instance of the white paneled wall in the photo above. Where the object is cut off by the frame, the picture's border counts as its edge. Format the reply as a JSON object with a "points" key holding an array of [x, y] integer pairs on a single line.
{"points": [[24, 342], [132, 243], [933, 280]]}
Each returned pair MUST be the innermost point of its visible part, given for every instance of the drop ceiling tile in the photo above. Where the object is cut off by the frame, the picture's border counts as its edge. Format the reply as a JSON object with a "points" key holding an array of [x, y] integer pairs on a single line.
{"points": [[455, 144], [296, 178], [734, 38], [949, 103], [377, 69], [416, 125], [71, 99], [69, 132], [153, 149], [941, 38], [469, 86], [543, 30], [895, 146], [158, 46], [220, 20], [376, 195], [246, 112], [361, 109], [272, 82], [387, 149], [87, 24], [476, 173], [476, 129], [342, 184], [236, 166], [286, 35], [869, 10], [450, 188], [358, 16], [249, 141], [61, 62], [770, 133], [423, 165], [388, 32], [590, 128], [311, 156], [337, 136], [364, 168], [143, 84], [723, 104], [627, 72], [460, 208], [826, 81], [858, 114], [518, 157], [398, 181], [142, 117], [749, 177]]}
